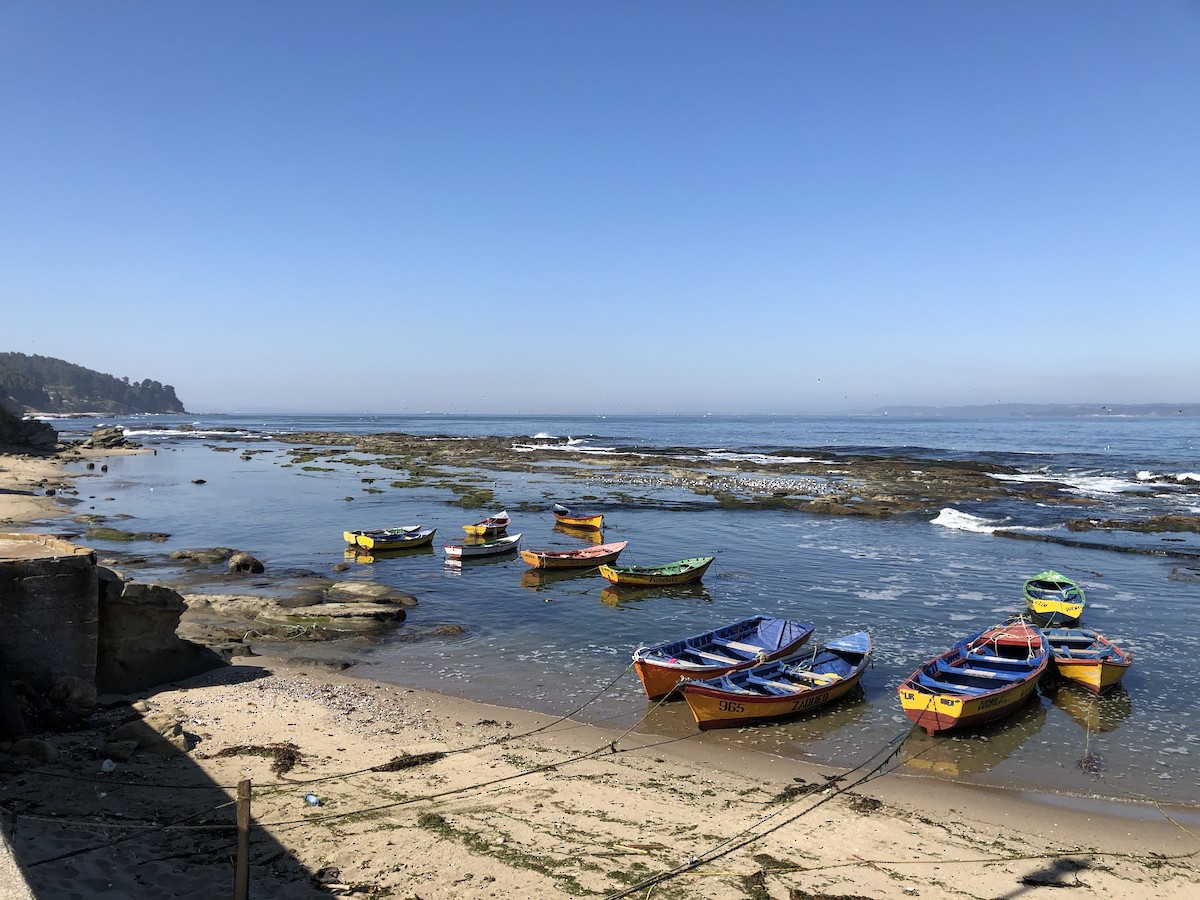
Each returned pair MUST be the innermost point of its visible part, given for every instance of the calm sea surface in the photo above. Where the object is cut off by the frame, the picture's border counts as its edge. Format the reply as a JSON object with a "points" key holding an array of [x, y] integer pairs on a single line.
{"points": [[918, 582]]}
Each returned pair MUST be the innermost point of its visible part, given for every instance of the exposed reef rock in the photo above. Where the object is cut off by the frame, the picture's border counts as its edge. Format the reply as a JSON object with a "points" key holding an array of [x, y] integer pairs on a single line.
{"points": [[1146, 526], [823, 480]]}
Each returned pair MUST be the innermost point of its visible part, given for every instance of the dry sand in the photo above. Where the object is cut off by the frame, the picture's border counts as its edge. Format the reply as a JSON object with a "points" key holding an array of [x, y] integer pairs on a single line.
{"points": [[513, 804], [24, 481]]}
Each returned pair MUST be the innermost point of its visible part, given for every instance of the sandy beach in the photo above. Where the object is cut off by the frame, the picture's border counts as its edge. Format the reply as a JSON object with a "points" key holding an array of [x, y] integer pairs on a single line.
{"points": [[422, 795]]}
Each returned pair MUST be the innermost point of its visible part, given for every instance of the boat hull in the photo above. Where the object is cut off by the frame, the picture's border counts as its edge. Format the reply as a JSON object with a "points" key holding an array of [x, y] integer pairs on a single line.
{"points": [[487, 548], [657, 576], [397, 542], [945, 712], [355, 538], [661, 674], [981, 678], [590, 523], [829, 674], [1054, 599], [492, 526], [586, 558], [717, 709]]}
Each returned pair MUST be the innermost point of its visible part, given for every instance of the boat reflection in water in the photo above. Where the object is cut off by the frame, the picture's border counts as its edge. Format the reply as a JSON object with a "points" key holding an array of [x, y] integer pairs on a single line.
{"points": [[616, 595], [976, 751], [365, 557], [1094, 713], [539, 579], [464, 564], [588, 535]]}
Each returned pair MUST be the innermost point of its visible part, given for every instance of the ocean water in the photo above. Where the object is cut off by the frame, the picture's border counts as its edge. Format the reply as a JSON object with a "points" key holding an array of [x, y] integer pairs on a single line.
{"points": [[917, 582]]}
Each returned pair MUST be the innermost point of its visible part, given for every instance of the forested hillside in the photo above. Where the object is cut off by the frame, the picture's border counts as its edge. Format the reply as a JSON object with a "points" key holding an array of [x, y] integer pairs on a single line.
{"points": [[45, 384]]}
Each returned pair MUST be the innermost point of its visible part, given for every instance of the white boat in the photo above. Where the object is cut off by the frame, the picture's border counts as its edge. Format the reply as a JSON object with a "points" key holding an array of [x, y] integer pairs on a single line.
{"points": [[495, 547]]}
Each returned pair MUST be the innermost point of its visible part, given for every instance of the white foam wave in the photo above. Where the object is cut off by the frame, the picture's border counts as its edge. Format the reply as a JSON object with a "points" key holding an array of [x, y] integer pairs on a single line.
{"points": [[961, 521], [892, 594], [761, 458], [562, 448], [1083, 483], [545, 436], [173, 433], [1100, 484]]}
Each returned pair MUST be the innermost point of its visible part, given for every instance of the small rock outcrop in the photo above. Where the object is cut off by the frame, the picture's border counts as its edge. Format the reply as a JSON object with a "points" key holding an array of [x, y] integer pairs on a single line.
{"points": [[25, 435], [245, 563], [107, 437], [137, 646]]}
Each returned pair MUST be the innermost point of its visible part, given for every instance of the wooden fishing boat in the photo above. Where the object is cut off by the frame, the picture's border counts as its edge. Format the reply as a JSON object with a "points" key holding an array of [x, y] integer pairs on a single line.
{"points": [[491, 526], [483, 548], [1054, 598], [783, 688], [580, 558], [1087, 657], [982, 677], [352, 537], [679, 572], [564, 516], [739, 645], [399, 540]]}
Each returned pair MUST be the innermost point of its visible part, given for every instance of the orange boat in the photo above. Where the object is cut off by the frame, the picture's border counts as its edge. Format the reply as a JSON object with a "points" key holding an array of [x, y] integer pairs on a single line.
{"points": [[739, 645], [580, 558]]}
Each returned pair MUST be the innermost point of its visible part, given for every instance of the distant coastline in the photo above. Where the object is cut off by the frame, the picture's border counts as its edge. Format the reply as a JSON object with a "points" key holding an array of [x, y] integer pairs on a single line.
{"points": [[1045, 410]]}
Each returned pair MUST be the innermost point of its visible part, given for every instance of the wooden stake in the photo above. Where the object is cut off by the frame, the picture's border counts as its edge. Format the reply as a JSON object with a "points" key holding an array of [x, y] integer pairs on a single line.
{"points": [[241, 873]]}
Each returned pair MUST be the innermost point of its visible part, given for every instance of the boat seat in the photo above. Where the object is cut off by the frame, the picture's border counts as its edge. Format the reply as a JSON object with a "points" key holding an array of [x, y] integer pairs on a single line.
{"points": [[820, 678], [992, 674], [745, 648], [946, 687], [1084, 653], [976, 656], [716, 657]]}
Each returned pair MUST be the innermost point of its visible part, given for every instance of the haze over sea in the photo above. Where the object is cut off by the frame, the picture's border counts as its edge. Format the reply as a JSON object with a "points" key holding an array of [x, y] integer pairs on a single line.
{"points": [[918, 582]]}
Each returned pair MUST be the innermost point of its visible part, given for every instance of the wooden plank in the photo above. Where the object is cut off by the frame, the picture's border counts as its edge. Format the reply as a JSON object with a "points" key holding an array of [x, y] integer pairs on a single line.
{"points": [[718, 657], [745, 648], [241, 873]]}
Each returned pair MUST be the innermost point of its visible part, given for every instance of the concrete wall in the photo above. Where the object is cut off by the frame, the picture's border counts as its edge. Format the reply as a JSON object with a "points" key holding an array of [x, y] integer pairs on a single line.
{"points": [[48, 609]]}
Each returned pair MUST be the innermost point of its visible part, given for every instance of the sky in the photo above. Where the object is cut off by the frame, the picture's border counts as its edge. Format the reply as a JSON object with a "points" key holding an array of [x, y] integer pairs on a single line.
{"points": [[636, 206]]}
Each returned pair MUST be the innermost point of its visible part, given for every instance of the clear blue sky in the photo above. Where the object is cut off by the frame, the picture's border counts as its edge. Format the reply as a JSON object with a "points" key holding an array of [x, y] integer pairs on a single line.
{"points": [[750, 207]]}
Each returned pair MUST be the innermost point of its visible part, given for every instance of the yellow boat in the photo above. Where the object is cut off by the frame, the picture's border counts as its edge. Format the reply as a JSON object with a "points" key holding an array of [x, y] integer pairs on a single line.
{"points": [[403, 541], [355, 537], [679, 572], [564, 516], [491, 526], [1087, 657]]}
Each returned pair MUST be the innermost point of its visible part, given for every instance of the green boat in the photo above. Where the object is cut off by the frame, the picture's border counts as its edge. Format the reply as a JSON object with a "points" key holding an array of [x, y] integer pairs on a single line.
{"points": [[679, 572], [1054, 598]]}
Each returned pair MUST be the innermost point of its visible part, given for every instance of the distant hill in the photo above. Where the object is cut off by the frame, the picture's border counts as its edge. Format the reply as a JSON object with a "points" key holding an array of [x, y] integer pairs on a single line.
{"points": [[1043, 410], [48, 385]]}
